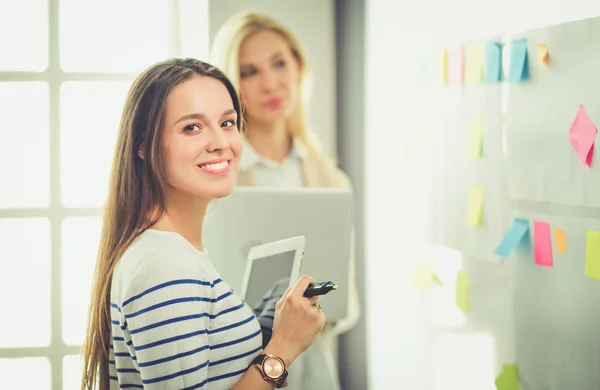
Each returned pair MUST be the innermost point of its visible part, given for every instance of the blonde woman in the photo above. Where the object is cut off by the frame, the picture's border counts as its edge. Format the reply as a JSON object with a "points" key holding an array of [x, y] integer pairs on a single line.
{"points": [[267, 64]]}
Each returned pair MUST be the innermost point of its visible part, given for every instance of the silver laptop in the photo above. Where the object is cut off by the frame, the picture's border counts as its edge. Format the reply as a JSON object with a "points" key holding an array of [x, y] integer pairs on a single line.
{"points": [[253, 216]]}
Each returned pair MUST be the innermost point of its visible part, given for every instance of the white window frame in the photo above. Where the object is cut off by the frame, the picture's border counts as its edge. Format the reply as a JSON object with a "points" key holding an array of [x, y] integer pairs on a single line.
{"points": [[179, 22]]}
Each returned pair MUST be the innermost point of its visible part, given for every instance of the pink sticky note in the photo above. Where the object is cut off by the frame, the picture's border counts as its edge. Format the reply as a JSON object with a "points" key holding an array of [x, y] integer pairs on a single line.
{"points": [[456, 65], [542, 243], [582, 136]]}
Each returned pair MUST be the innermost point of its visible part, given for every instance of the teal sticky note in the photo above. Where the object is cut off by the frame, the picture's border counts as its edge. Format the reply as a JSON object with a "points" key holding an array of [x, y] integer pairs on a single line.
{"points": [[513, 236], [519, 62], [425, 71], [493, 62]]}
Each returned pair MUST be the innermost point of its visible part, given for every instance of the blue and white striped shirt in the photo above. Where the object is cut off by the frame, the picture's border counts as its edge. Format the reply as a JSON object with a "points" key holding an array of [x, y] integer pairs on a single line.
{"points": [[175, 323]]}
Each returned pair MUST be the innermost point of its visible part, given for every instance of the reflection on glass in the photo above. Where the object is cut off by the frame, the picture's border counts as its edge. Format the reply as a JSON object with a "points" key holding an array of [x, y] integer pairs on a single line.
{"points": [[269, 278]]}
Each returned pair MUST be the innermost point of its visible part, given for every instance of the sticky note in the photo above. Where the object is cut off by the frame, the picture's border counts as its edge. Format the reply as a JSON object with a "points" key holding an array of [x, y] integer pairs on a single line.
{"points": [[462, 290], [508, 378], [518, 229], [475, 138], [543, 55], [456, 65], [519, 62], [444, 66], [475, 214], [425, 71], [582, 136], [424, 275], [542, 244], [592, 254], [493, 62], [475, 64], [560, 240]]}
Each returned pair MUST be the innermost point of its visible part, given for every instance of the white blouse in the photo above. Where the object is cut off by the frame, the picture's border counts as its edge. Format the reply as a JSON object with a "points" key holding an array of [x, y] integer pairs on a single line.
{"points": [[268, 173]]}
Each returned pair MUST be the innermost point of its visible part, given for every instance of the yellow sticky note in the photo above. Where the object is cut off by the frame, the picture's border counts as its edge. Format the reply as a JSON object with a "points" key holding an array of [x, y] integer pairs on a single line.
{"points": [[543, 55], [508, 378], [475, 64], [462, 290], [444, 66], [592, 254], [475, 138], [424, 275], [475, 216], [560, 240]]}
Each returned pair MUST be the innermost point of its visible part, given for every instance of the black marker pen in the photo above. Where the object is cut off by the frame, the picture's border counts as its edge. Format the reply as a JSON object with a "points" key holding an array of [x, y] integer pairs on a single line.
{"points": [[323, 288]]}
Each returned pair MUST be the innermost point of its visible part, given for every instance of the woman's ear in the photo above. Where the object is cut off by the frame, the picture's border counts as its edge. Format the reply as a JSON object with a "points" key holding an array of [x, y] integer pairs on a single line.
{"points": [[141, 153]]}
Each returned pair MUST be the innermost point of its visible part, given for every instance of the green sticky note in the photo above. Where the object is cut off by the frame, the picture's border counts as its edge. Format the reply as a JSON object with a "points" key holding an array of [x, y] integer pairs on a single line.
{"points": [[592, 254], [475, 138], [508, 378], [475, 214], [462, 290]]}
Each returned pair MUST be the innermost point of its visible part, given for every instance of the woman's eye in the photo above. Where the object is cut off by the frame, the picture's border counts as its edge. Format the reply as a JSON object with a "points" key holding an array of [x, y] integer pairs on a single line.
{"points": [[193, 127], [228, 123], [280, 63], [247, 73]]}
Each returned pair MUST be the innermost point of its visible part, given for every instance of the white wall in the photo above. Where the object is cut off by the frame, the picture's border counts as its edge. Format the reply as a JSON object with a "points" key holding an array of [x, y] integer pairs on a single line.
{"points": [[313, 21], [401, 349]]}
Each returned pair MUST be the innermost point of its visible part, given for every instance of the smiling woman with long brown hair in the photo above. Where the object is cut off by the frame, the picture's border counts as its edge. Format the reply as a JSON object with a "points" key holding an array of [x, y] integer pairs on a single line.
{"points": [[160, 315]]}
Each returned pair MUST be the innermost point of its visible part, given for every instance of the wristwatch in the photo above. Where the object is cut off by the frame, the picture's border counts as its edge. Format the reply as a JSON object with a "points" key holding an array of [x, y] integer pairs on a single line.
{"points": [[272, 368]]}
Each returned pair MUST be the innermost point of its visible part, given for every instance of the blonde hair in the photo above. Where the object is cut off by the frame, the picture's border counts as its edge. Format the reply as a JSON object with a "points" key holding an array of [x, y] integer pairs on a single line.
{"points": [[225, 55]]}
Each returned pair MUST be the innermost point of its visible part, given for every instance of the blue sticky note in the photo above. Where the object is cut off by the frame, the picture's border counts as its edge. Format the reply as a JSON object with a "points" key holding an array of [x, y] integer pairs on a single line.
{"points": [[493, 62], [519, 62], [513, 236], [425, 70]]}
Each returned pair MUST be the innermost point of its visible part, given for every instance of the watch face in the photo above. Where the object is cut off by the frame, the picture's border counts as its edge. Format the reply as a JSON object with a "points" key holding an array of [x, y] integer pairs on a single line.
{"points": [[273, 367]]}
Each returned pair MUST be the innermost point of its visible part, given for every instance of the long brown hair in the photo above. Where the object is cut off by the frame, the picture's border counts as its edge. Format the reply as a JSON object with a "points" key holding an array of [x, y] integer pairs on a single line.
{"points": [[136, 195]]}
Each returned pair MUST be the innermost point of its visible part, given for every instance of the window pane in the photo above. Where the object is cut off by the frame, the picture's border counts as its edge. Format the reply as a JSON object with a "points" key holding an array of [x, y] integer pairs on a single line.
{"points": [[72, 369], [25, 147], [80, 238], [24, 35], [25, 373], [90, 114], [25, 282], [113, 36]]}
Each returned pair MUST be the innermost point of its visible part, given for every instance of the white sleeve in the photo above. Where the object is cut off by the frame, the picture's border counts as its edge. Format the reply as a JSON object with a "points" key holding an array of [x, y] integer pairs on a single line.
{"points": [[165, 309]]}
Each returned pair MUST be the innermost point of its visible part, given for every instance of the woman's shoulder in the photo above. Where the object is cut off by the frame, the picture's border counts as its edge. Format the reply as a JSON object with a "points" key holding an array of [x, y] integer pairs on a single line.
{"points": [[157, 257], [321, 170]]}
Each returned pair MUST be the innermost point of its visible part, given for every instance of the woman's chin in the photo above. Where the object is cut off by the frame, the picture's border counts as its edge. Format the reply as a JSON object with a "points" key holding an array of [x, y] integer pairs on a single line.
{"points": [[218, 192]]}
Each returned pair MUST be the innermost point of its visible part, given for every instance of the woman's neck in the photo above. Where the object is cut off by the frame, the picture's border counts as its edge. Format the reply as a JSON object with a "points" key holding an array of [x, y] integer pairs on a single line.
{"points": [[271, 141], [184, 214]]}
